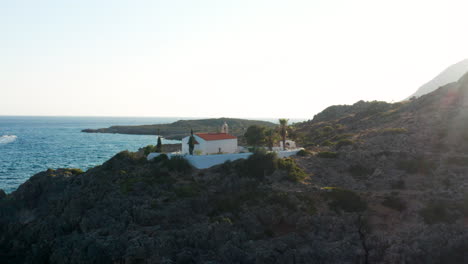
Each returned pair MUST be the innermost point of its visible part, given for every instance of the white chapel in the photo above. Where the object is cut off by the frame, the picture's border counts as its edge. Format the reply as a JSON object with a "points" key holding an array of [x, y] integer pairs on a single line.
{"points": [[212, 143]]}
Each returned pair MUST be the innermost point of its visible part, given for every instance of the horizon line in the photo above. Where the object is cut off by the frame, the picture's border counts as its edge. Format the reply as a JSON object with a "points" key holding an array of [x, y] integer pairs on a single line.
{"points": [[194, 117]]}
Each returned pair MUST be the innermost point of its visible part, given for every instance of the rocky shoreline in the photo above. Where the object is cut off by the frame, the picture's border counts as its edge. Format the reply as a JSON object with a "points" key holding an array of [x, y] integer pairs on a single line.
{"points": [[130, 210]]}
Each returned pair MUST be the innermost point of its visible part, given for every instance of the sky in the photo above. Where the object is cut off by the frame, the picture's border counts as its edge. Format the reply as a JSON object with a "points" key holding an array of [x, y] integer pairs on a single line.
{"points": [[212, 58]]}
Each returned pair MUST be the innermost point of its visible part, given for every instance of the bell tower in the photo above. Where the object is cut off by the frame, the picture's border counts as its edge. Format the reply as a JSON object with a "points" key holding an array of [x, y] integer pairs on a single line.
{"points": [[225, 128]]}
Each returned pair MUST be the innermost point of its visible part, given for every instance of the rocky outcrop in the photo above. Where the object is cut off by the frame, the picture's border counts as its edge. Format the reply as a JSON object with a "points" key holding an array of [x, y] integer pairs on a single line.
{"points": [[130, 210]]}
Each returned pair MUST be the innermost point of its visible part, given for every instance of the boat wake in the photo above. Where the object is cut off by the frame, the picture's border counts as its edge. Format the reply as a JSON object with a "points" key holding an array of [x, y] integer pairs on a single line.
{"points": [[5, 139]]}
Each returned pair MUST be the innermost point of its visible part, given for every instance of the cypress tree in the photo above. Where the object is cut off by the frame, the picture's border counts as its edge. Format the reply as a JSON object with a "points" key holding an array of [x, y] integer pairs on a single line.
{"points": [[191, 142], [159, 145]]}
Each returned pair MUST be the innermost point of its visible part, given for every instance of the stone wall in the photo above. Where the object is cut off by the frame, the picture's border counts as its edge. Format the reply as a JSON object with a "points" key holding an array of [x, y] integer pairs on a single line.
{"points": [[207, 161]]}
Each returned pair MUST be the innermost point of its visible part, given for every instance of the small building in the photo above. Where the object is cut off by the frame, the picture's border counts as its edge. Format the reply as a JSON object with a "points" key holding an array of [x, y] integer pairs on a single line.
{"points": [[212, 143], [289, 144]]}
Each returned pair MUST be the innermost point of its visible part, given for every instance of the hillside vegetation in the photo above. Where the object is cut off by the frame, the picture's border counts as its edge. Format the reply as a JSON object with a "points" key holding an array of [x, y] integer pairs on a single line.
{"points": [[431, 123], [377, 183]]}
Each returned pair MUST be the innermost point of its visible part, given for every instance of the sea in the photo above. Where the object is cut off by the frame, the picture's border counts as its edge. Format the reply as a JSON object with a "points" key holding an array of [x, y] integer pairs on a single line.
{"points": [[29, 145]]}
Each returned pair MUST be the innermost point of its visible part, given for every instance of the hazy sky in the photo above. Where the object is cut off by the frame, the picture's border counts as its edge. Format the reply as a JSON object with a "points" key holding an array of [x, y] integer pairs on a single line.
{"points": [[236, 58]]}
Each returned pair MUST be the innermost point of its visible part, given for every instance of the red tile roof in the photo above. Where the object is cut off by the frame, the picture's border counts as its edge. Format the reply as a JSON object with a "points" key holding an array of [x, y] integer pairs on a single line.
{"points": [[215, 136]]}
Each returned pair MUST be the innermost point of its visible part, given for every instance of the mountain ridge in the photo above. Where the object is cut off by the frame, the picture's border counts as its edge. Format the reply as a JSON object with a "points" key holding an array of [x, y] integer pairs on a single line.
{"points": [[451, 74]]}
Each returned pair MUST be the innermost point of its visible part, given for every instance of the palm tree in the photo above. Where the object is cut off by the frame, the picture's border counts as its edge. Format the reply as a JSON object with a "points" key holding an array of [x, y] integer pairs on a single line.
{"points": [[271, 136], [283, 130]]}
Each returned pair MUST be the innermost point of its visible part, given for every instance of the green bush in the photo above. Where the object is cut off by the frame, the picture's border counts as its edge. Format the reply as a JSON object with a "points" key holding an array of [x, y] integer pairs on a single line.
{"points": [[233, 202], [327, 129], [346, 200], [340, 127], [75, 171], [464, 135], [342, 136], [400, 184], [123, 160], [161, 158], [372, 108], [415, 165], [328, 143], [178, 163], [457, 161], [154, 204], [255, 135], [282, 199], [308, 203], [359, 171], [148, 149], [161, 178], [127, 155], [126, 185], [327, 155], [295, 173], [261, 164], [437, 212], [187, 190], [393, 131], [286, 164], [343, 142], [221, 219], [268, 233], [394, 202], [303, 153], [464, 205], [226, 167]]}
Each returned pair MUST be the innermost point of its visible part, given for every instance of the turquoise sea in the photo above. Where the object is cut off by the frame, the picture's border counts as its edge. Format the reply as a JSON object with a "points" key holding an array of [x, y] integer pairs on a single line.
{"points": [[29, 145]]}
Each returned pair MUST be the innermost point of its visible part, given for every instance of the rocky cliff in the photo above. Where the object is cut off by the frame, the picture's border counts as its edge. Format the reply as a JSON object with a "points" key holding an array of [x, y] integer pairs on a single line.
{"points": [[379, 183]]}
